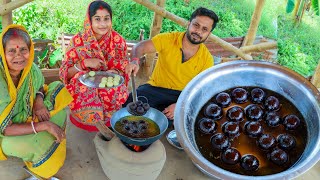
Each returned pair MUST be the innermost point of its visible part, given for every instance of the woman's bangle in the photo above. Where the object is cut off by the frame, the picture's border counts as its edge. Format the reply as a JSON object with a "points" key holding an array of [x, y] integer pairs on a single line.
{"points": [[83, 66], [34, 129], [75, 66], [40, 93]]}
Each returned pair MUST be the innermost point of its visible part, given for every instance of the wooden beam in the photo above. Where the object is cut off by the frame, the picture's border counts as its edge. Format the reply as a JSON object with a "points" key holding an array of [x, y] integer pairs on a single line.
{"points": [[316, 77], [259, 47], [9, 7], [6, 19], [155, 29], [252, 31], [184, 23]]}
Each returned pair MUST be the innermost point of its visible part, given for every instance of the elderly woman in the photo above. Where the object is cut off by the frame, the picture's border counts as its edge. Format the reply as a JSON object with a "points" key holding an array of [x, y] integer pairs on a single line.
{"points": [[32, 116], [98, 48]]}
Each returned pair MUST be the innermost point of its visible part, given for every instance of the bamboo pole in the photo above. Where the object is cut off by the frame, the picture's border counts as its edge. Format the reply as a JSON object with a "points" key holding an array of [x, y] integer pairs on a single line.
{"points": [[316, 77], [259, 47], [184, 23], [9, 7], [155, 29], [252, 31], [7, 18]]}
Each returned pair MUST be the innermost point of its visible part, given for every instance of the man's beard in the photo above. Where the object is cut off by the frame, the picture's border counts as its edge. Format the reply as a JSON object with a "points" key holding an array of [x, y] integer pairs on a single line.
{"points": [[193, 41]]}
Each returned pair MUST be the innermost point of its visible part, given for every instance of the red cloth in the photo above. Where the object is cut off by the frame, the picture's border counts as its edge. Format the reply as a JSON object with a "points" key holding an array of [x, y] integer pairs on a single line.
{"points": [[90, 103]]}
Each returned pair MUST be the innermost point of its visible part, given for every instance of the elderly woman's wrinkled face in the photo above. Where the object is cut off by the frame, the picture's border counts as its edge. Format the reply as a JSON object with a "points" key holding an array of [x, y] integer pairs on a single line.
{"points": [[17, 54], [101, 23]]}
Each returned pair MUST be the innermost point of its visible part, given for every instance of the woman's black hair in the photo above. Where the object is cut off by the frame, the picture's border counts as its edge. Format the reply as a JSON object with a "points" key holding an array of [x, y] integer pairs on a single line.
{"points": [[95, 5], [205, 12]]}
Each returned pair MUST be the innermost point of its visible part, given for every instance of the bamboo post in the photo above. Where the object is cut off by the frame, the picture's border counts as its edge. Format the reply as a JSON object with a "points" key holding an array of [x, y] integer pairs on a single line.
{"points": [[316, 77], [184, 23], [155, 29], [11, 5], [259, 47], [6, 18], [252, 31]]}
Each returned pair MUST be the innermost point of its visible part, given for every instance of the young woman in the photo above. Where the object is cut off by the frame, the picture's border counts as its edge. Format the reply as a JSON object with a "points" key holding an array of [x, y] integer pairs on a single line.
{"points": [[97, 48]]}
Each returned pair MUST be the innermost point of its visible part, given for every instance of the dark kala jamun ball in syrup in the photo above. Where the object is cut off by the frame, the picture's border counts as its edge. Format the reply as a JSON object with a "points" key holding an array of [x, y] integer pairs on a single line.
{"points": [[279, 156], [272, 103], [235, 114], [253, 129], [231, 156], [239, 95], [286, 141], [257, 95], [249, 162], [272, 119], [219, 142], [223, 99], [254, 112], [207, 126], [213, 111], [267, 142], [291, 122], [231, 129]]}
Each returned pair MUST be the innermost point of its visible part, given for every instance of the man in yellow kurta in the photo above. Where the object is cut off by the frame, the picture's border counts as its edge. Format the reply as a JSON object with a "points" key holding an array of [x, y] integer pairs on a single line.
{"points": [[181, 56]]}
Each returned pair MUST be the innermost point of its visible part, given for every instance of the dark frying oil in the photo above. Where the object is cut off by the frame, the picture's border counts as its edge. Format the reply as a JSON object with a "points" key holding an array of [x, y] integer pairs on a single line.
{"points": [[246, 145], [151, 130]]}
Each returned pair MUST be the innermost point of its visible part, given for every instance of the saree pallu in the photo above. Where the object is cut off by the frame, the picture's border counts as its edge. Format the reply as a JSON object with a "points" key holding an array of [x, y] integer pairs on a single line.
{"points": [[90, 104]]}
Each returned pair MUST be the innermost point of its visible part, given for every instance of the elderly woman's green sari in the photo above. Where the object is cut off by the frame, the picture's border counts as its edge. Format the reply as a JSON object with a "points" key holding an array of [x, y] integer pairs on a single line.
{"points": [[39, 151]]}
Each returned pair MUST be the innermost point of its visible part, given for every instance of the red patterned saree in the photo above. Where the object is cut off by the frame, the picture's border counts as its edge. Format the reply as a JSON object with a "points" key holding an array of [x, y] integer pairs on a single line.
{"points": [[90, 102]]}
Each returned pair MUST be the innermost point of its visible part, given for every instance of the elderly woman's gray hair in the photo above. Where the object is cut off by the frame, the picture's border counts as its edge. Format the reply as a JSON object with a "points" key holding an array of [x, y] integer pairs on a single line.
{"points": [[16, 33]]}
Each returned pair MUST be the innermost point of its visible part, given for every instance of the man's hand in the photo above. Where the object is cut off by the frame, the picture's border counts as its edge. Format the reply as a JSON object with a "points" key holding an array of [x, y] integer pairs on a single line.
{"points": [[169, 111], [132, 68], [39, 110]]}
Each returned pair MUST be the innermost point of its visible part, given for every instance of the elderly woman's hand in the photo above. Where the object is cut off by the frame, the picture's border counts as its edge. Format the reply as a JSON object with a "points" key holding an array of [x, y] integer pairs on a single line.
{"points": [[40, 110], [55, 130]]}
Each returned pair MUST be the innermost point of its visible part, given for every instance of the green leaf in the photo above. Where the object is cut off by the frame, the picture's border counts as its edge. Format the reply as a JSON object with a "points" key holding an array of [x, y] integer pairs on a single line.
{"points": [[43, 55], [315, 6], [55, 57], [290, 6]]}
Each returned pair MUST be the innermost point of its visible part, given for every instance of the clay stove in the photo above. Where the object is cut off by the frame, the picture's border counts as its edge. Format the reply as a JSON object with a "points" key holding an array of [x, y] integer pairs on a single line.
{"points": [[120, 160]]}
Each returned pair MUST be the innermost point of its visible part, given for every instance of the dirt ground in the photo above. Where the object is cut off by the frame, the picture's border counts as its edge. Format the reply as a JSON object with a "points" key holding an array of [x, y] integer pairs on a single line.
{"points": [[82, 162]]}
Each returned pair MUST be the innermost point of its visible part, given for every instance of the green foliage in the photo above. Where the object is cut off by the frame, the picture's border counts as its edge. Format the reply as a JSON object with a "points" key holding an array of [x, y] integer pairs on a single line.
{"points": [[0, 23], [315, 6], [298, 47], [290, 6], [55, 57]]}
